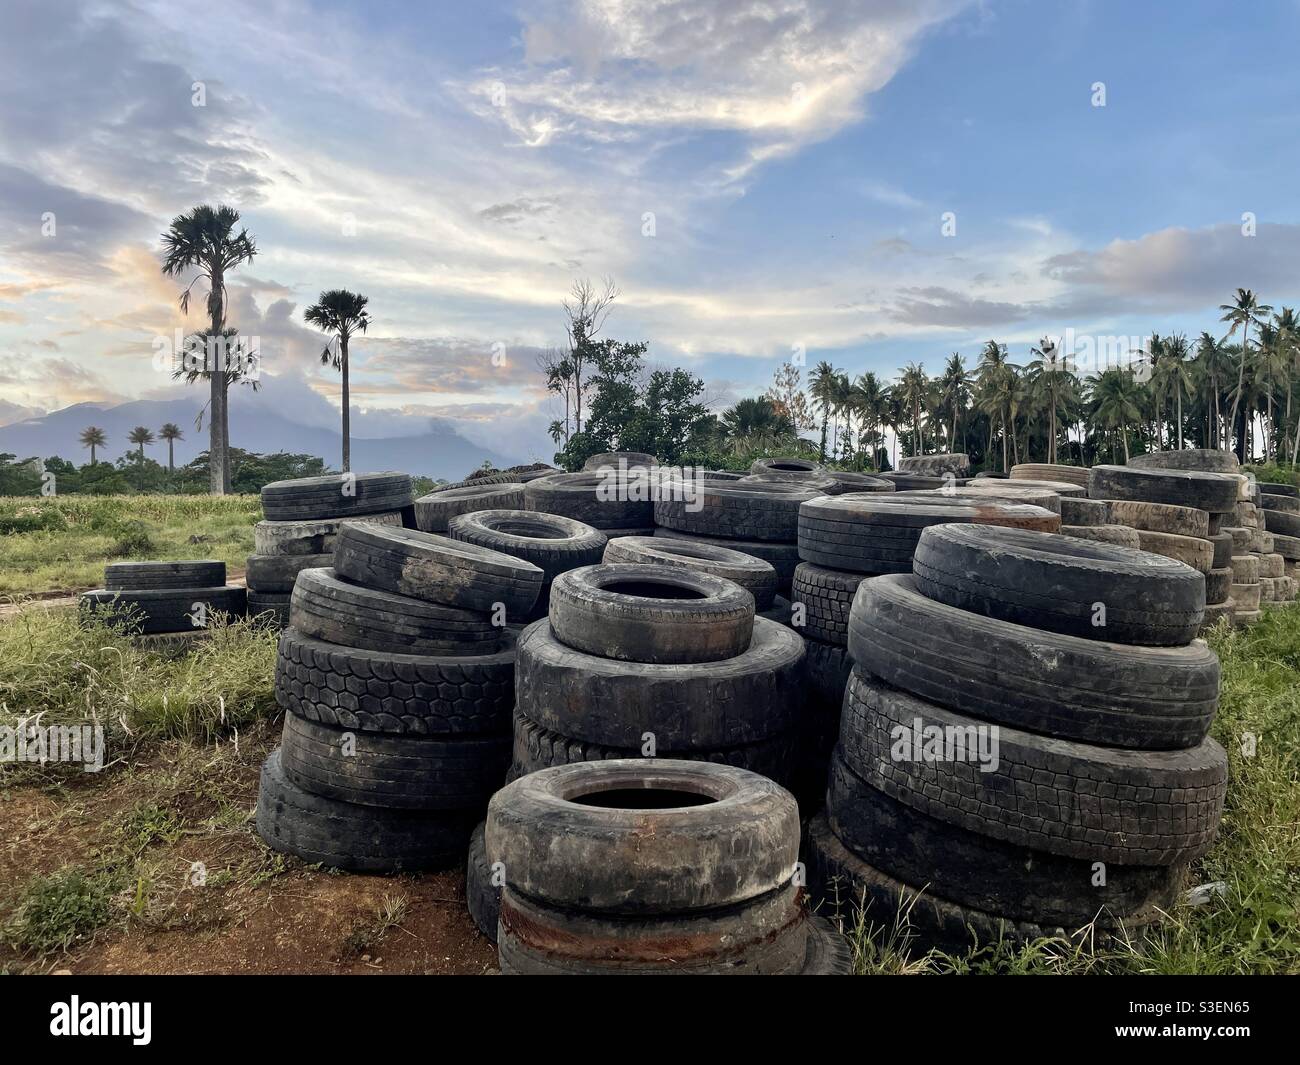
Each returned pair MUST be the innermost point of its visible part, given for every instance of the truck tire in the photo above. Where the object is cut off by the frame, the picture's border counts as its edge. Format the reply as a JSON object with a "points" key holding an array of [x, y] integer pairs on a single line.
{"points": [[753, 574], [435, 510]]}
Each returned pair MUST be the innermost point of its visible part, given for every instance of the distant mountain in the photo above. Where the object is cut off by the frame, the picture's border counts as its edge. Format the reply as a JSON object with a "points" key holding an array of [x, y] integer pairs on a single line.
{"points": [[265, 423]]}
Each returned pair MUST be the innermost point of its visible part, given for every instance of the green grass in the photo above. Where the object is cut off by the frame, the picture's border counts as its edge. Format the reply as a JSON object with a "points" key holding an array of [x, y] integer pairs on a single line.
{"points": [[61, 543], [54, 912], [1254, 927]]}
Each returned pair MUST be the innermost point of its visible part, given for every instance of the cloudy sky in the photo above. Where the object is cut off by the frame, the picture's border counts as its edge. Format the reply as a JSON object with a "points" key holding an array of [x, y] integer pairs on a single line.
{"points": [[866, 182]]}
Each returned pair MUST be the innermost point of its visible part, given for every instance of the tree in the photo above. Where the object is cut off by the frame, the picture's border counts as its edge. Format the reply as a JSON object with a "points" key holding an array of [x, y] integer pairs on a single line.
{"points": [[953, 395], [870, 400], [756, 425], [912, 388], [342, 314], [1244, 312], [585, 312], [204, 239], [171, 433], [93, 437], [1116, 397], [998, 391], [141, 436], [821, 383], [787, 396], [1048, 376]]}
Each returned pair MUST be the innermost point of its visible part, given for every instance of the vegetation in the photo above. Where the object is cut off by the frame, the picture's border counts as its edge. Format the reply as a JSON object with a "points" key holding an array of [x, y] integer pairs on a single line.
{"points": [[342, 314]]}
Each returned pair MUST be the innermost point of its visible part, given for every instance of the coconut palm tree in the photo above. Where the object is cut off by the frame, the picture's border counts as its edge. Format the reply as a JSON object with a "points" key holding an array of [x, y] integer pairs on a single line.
{"points": [[141, 436], [1245, 312], [171, 433], [1117, 402], [343, 314], [756, 425], [1177, 378], [953, 387], [998, 390], [1047, 378], [93, 437], [821, 384], [913, 390], [871, 401], [1212, 366], [204, 240]]}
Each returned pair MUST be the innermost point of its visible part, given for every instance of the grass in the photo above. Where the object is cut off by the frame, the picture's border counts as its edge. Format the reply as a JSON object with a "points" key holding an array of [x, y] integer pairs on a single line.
{"points": [[61, 543], [1253, 925]]}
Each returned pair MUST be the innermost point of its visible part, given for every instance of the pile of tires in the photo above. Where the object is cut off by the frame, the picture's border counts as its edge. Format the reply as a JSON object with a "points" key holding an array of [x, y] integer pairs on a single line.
{"points": [[1279, 510], [435, 510], [164, 598], [1181, 504], [396, 676], [1050, 471], [301, 523], [653, 866], [1008, 768], [617, 500]]}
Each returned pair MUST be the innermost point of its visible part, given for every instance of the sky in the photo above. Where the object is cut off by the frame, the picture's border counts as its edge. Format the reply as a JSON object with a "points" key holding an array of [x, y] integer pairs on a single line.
{"points": [[868, 183]]}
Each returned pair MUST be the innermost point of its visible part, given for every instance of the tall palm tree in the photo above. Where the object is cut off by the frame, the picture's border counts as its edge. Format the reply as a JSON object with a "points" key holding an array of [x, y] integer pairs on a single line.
{"points": [[821, 384], [913, 389], [141, 436], [93, 437], [1288, 333], [871, 401], [171, 433], [997, 390], [1047, 377], [1211, 371], [1177, 377], [1244, 312], [204, 240], [1117, 399], [343, 314], [953, 395]]}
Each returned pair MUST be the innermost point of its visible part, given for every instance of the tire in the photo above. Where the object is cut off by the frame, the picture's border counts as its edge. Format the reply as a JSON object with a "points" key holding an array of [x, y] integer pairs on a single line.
{"points": [[164, 610], [691, 706], [953, 463], [482, 897], [1149, 698], [1004, 491], [1045, 471], [581, 496], [653, 614], [1245, 619], [1115, 535], [1078, 511], [782, 557], [1261, 542], [738, 838], [361, 839], [352, 615], [826, 596], [908, 482], [1200, 491], [765, 936], [435, 510], [1282, 522], [309, 537], [1070, 799], [1218, 585], [1217, 612], [336, 495], [987, 874], [1194, 551], [1287, 546], [1271, 565], [160, 576], [747, 510], [1277, 489], [272, 608], [1290, 504], [277, 573], [1223, 549], [788, 469], [436, 569], [1246, 598], [394, 772], [1064, 489], [878, 533], [380, 691], [1240, 538], [829, 953], [1056, 583], [826, 669], [860, 482], [822, 484], [1203, 460], [1245, 569], [536, 748], [1160, 518], [620, 459], [753, 574], [778, 612]]}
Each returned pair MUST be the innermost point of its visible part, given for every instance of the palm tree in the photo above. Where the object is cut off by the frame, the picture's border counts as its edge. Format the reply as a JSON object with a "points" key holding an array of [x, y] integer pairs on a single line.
{"points": [[1211, 370], [871, 401], [953, 395], [1288, 333], [204, 239], [821, 383], [1117, 399], [913, 389], [141, 436], [1047, 377], [171, 433], [93, 437], [1245, 312], [343, 314], [756, 425], [1177, 377], [998, 393]]}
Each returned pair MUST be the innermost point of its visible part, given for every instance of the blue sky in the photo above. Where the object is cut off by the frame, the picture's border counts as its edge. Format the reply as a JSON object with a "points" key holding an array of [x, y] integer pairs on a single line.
{"points": [[462, 164]]}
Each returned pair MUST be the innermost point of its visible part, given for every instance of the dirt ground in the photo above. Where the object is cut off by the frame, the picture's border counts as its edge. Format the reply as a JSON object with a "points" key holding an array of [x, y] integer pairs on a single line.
{"points": [[148, 822]]}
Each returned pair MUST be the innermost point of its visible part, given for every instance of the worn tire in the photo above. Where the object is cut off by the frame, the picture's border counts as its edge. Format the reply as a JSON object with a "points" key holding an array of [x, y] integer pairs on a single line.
{"points": [[482, 897], [1067, 798], [1245, 569], [277, 573], [1200, 491], [747, 510], [1271, 565], [860, 482], [437, 569], [789, 469], [165, 610], [1160, 517], [826, 596], [1287, 546], [309, 537], [1223, 550], [1203, 460], [783, 557], [1000, 490], [379, 691], [1151, 698], [1246, 597], [623, 459], [1115, 535], [1218, 585], [271, 607], [1282, 522], [579, 496], [324, 497], [160, 576], [1194, 551], [1046, 471], [753, 574], [1090, 512], [955, 463], [651, 613], [435, 510]]}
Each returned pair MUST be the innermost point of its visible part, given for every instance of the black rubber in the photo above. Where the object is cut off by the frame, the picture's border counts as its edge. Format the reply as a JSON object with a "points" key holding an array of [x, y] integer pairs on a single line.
{"points": [[1153, 698], [601, 500], [435, 510], [641, 612], [1067, 798], [336, 495], [753, 574], [829, 953], [825, 596], [744, 510], [905, 482], [149, 611], [1160, 517], [437, 569], [362, 839], [1218, 585], [1183, 488], [1282, 522], [782, 557], [1276, 489], [272, 608], [1223, 549], [323, 607], [277, 573], [620, 460], [1290, 504], [1075, 511], [482, 896], [1204, 460], [986, 873], [822, 484], [861, 482], [159, 576], [315, 537], [380, 691], [644, 835], [790, 469], [876, 533], [405, 772], [687, 706], [1062, 584]]}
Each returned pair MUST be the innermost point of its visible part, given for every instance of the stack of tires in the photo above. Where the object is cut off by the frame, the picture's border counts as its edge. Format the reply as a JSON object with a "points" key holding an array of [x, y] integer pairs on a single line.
{"points": [[631, 867], [1279, 509], [1051, 471], [434, 511], [617, 500], [1008, 768], [396, 676], [1181, 508], [164, 599], [301, 522]]}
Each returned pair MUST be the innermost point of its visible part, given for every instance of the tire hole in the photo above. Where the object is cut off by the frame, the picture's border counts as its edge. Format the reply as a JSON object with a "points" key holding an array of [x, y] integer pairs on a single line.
{"points": [[653, 590], [642, 799]]}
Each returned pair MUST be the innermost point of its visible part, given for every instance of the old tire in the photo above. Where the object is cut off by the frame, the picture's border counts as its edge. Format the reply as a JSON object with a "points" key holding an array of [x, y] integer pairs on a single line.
{"points": [[1115, 535], [753, 574], [165, 609], [826, 596], [1077, 511], [1046, 471], [747, 510], [482, 897], [336, 495], [584, 497], [1200, 491], [316, 537], [435, 510], [1203, 460], [783, 557], [160, 576], [277, 573], [1161, 517]]}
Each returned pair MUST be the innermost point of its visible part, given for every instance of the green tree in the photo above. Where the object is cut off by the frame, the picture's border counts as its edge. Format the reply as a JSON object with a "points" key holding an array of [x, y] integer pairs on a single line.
{"points": [[1117, 398], [93, 437], [821, 384], [141, 436], [342, 314], [1245, 312], [171, 433], [1048, 378]]}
